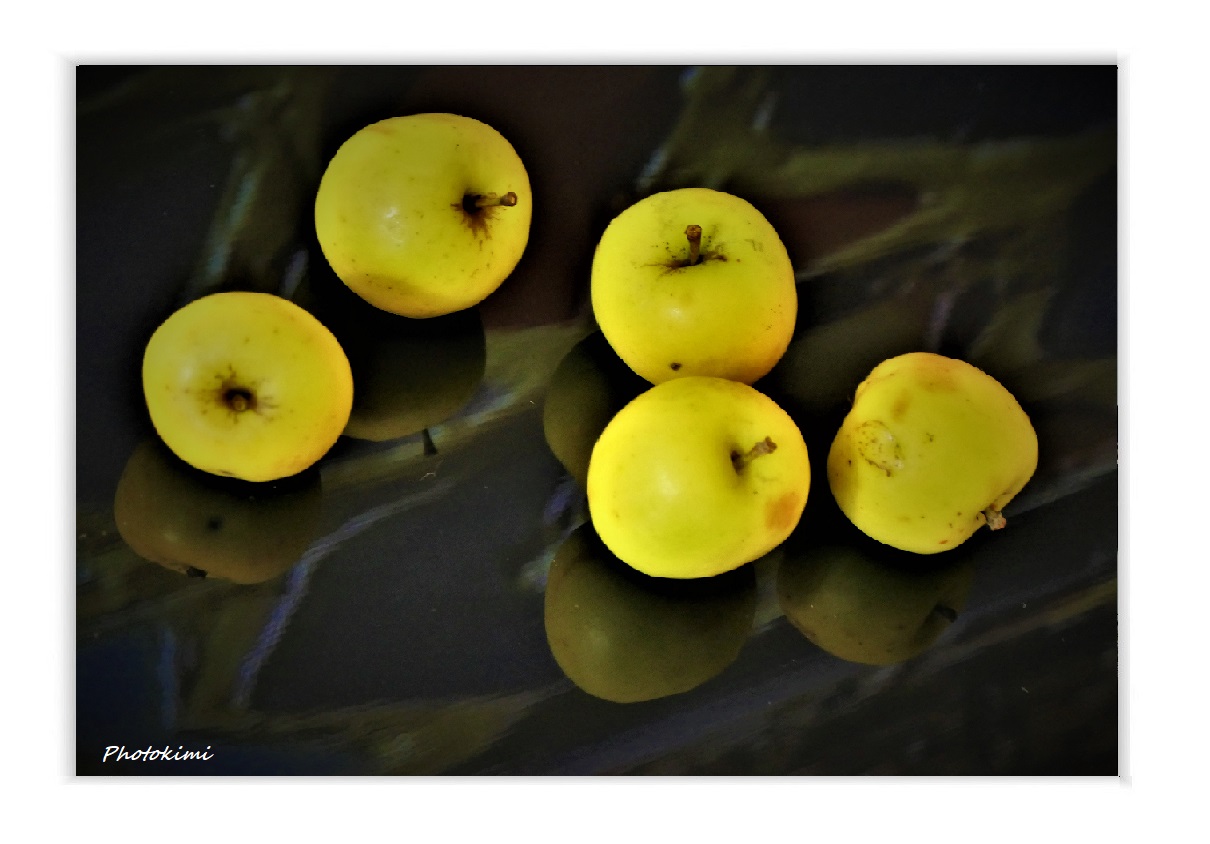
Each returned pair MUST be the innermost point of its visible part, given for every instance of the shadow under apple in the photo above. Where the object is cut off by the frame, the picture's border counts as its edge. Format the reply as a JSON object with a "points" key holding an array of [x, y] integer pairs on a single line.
{"points": [[588, 387], [869, 605], [206, 526], [824, 363], [408, 374], [624, 637]]}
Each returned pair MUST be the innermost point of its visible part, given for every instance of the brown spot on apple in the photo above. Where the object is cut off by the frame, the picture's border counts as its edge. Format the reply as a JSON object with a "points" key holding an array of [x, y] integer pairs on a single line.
{"points": [[937, 373], [780, 514], [900, 407]]}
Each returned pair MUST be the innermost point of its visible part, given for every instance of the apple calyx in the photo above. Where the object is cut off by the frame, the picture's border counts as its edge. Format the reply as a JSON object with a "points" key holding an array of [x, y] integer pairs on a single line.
{"points": [[741, 460], [235, 396], [239, 399], [994, 518]]}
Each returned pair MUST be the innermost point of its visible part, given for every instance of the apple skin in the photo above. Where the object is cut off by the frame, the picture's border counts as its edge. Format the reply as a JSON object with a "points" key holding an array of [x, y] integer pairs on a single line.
{"points": [[392, 217], [624, 637], [195, 523], [247, 385], [863, 609], [587, 389], [932, 450], [674, 489], [731, 315]]}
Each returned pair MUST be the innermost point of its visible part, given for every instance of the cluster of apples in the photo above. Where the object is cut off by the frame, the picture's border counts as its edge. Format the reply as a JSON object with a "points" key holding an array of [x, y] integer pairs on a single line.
{"points": [[422, 216], [697, 478], [702, 472], [425, 215]]}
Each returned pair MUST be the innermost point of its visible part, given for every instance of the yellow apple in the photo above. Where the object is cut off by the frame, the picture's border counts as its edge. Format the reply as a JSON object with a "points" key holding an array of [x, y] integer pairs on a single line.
{"points": [[864, 609], [247, 385], [932, 449], [425, 214], [624, 637], [588, 387], [697, 476], [694, 282], [203, 525]]}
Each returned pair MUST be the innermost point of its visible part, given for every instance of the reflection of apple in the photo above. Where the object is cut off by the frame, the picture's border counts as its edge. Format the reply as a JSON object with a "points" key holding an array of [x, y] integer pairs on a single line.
{"points": [[694, 282], [697, 476], [425, 214], [589, 386], [409, 374], [625, 637], [863, 608], [185, 520], [414, 373], [825, 362], [247, 385]]}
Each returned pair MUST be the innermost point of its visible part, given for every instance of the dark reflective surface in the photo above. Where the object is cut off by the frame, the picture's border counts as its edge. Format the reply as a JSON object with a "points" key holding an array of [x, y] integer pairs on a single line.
{"points": [[392, 613]]}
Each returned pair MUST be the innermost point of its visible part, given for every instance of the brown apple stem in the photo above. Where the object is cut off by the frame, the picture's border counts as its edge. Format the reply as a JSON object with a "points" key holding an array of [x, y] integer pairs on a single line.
{"points": [[489, 200], [694, 235], [994, 518], [430, 448], [740, 461], [948, 613]]}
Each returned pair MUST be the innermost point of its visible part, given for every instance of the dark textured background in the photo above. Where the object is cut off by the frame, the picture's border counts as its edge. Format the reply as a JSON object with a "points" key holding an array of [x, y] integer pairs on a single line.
{"points": [[413, 641]]}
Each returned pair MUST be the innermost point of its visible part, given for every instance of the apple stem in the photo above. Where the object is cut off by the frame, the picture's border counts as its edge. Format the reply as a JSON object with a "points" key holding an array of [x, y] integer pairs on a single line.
{"points": [[430, 448], [994, 518], [765, 446], [694, 235], [489, 200]]}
